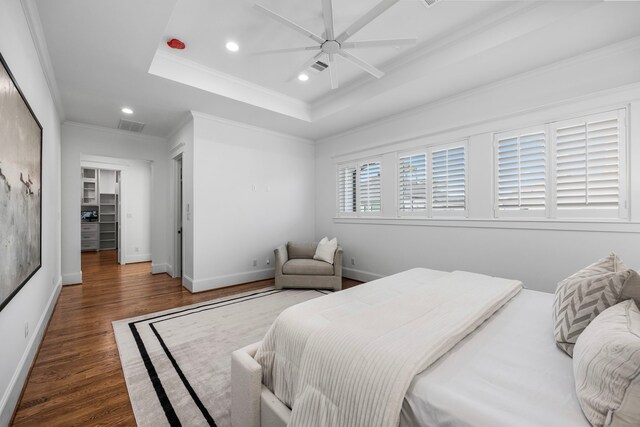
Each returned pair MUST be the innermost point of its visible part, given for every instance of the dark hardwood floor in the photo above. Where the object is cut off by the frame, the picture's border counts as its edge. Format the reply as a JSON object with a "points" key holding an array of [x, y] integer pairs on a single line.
{"points": [[76, 379]]}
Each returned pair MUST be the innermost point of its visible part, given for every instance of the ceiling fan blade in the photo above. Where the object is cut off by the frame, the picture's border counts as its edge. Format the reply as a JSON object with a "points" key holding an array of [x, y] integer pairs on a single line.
{"points": [[290, 24], [360, 63], [333, 71], [292, 49], [327, 14], [365, 19], [306, 65], [377, 43]]}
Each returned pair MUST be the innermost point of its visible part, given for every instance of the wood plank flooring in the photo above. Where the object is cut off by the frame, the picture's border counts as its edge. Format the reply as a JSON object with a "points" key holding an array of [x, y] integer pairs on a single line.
{"points": [[76, 379]]}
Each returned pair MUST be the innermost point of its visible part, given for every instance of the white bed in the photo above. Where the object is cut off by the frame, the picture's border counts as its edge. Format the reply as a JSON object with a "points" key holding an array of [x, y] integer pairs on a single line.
{"points": [[506, 373]]}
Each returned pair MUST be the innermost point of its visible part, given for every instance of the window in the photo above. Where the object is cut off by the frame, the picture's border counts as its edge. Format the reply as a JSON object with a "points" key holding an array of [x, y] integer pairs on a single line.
{"points": [[412, 179], [567, 169], [522, 170], [448, 179], [588, 159], [369, 193], [359, 188], [347, 189]]}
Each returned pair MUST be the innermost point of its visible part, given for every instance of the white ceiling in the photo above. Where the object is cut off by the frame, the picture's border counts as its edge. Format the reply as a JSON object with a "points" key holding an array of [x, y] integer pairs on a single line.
{"points": [[109, 54]]}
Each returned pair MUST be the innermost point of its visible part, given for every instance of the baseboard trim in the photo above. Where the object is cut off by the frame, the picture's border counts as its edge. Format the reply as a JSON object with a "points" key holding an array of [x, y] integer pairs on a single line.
{"points": [[229, 280], [137, 258], [16, 385], [360, 275], [159, 268], [187, 282], [72, 278]]}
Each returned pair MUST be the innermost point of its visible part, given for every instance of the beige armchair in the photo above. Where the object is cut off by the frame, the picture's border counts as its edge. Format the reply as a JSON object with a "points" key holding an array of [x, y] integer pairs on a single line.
{"points": [[296, 268]]}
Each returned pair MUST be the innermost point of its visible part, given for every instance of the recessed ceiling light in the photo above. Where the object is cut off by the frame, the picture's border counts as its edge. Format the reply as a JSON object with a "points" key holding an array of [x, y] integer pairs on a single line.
{"points": [[127, 110], [303, 77], [232, 46]]}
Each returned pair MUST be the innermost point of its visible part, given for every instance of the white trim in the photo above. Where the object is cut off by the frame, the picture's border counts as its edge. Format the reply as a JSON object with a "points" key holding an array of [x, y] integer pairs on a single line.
{"points": [[119, 132], [72, 278], [598, 226], [40, 43], [230, 279], [14, 389], [187, 283], [137, 258], [182, 70], [597, 54], [360, 275], [159, 268], [251, 127]]}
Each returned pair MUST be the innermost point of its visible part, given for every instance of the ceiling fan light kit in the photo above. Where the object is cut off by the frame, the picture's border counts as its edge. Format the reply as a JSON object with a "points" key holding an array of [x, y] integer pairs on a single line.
{"points": [[330, 45]]}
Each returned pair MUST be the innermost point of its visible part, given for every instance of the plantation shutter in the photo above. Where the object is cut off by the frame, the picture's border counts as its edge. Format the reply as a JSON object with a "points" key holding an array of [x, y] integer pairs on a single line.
{"points": [[347, 189], [448, 179], [370, 187], [412, 179], [588, 163], [521, 180]]}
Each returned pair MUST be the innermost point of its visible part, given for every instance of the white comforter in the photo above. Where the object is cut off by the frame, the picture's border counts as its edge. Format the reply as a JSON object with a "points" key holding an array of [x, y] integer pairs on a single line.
{"points": [[347, 359]]}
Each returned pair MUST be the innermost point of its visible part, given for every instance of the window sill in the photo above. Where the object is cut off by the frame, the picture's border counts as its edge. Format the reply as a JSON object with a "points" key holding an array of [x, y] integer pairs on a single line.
{"points": [[595, 225]]}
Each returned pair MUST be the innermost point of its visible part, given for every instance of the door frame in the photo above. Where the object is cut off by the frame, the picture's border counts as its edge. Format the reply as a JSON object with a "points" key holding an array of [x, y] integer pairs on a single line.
{"points": [[87, 161], [177, 269]]}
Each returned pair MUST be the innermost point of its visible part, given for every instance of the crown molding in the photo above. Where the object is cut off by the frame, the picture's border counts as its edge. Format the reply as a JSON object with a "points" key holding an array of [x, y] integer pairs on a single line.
{"points": [[594, 55], [197, 114], [230, 86], [118, 132], [39, 41]]}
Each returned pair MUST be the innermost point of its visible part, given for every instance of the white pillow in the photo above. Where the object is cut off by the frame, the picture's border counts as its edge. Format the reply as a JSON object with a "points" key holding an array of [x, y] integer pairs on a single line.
{"points": [[606, 367], [326, 250]]}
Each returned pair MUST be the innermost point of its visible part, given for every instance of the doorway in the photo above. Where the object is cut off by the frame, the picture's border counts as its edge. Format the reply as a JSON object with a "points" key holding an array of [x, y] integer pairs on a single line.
{"points": [[100, 210], [178, 268]]}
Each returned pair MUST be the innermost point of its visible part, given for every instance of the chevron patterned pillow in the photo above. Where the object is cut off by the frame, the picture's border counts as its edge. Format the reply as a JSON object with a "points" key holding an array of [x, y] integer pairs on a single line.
{"points": [[584, 295]]}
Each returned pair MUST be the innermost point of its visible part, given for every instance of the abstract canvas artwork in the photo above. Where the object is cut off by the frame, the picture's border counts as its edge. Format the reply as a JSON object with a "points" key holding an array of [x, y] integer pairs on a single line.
{"points": [[20, 188]]}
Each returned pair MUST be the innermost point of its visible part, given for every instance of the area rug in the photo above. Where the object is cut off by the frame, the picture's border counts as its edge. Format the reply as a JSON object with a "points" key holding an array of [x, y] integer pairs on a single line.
{"points": [[177, 362]]}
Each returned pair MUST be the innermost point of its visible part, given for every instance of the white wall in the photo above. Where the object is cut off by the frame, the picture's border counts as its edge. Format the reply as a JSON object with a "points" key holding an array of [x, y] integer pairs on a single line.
{"points": [[135, 202], [539, 254], [79, 142], [31, 306], [252, 190]]}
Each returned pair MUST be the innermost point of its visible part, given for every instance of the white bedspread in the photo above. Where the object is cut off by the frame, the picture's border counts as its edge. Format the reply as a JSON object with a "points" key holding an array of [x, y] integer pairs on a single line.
{"points": [[347, 359], [508, 372]]}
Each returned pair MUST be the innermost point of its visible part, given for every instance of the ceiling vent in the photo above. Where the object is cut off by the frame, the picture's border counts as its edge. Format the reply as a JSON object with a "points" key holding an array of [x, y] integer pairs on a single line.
{"points": [[428, 3], [131, 126], [319, 66]]}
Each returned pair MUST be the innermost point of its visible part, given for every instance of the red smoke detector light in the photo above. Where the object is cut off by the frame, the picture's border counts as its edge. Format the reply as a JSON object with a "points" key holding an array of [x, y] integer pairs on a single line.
{"points": [[176, 44]]}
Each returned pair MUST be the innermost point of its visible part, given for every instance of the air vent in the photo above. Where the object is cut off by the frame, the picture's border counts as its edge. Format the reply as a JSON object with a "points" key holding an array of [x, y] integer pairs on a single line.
{"points": [[131, 126], [428, 3], [319, 66]]}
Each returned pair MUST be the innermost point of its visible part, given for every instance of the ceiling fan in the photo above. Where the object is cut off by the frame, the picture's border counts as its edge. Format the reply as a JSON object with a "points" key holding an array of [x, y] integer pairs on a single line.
{"points": [[329, 45]]}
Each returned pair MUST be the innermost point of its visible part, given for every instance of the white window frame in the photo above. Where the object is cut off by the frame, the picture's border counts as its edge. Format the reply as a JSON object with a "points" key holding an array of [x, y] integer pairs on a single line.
{"points": [[357, 164], [622, 212], [444, 213], [337, 187], [358, 190], [552, 212], [424, 213], [520, 213]]}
